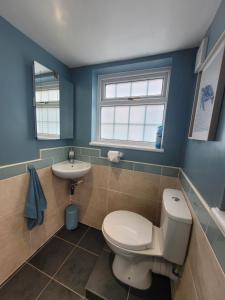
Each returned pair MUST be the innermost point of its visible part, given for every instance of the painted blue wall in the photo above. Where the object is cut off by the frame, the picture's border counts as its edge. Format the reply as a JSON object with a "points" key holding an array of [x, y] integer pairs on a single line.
{"points": [[204, 162], [180, 95], [17, 53]]}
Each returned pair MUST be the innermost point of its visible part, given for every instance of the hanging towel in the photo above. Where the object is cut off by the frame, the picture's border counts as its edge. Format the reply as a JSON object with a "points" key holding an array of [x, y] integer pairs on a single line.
{"points": [[36, 201]]}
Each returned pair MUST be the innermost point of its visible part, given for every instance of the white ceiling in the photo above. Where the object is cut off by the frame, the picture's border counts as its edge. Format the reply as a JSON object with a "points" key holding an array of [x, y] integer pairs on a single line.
{"points": [[83, 32]]}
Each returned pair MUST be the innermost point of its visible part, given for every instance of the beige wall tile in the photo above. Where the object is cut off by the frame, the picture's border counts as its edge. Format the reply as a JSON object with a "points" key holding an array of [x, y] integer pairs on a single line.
{"points": [[143, 185], [167, 182], [13, 193], [208, 277], [15, 244], [56, 190], [98, 176], [92, 204], [144, 207], [207, 274], [52, 223], [185, 288]]}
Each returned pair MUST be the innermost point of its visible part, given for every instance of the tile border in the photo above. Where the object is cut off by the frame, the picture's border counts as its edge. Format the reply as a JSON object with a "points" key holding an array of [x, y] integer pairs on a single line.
{"points": [[205, 217], [49, 156], [126, 164]]}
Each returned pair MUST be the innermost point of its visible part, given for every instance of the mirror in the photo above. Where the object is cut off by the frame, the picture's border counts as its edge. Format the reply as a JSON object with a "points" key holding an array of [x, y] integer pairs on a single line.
{"points": [[53, 102]]}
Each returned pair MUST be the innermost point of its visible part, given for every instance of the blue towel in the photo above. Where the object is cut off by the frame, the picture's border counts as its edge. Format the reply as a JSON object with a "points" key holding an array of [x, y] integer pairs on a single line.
{"points": [[36, 201]]}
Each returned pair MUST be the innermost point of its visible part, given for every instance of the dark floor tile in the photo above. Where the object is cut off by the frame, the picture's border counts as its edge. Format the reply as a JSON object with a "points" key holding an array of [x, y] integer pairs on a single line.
{"points": [[25, 285], [106, 248], [159, 290], [76, 270], [93, 241], [102, 282], [73, 236], [51, 256], [92, 296], [56, 291]]}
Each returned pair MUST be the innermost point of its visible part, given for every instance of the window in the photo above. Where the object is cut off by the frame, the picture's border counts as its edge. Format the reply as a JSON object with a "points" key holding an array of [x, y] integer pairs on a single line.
{"points": [[131, 107]]}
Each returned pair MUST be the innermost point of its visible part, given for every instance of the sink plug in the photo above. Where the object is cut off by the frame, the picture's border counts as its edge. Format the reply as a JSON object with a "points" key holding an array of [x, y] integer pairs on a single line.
{"points": [[74, 184]]}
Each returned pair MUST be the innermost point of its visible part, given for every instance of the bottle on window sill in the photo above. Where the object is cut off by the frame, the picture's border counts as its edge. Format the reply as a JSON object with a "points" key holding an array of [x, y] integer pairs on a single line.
{"points": [[158, 142]]}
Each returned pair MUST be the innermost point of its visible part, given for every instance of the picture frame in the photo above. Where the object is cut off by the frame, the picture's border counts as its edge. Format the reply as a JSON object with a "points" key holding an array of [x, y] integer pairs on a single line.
{"points": [[208, 95], [201, 54]]}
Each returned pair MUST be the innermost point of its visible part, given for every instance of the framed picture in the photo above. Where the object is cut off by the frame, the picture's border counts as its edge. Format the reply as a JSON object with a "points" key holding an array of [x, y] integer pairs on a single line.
{"points": [[201, 54], [209, 95]]}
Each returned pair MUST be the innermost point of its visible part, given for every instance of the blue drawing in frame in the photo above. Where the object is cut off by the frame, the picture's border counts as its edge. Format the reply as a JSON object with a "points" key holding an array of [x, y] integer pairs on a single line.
{"points": [[207, 94]]}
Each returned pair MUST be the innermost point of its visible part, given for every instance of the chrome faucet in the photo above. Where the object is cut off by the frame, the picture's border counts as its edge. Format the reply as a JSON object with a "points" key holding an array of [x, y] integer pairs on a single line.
{"points": [[71, 155]]}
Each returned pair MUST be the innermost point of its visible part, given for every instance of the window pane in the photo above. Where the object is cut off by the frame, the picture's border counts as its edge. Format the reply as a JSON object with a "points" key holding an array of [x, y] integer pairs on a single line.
{"points": [[139, 88], [44, 96], [107, 131], [53, 128], [155, 87], [39, 127], [137, 114], [120, 132], [58, 114], [136, 133], [154, 114], [44, 127], [38, 114], [150, 133], [121, 114], [53, 95], [107, 114], [123, 89], [38, 96], [52, 114], [44, 114], [110, 91]]}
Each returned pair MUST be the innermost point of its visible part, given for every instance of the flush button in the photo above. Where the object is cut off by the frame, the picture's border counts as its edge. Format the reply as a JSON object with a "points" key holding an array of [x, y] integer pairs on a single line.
{"points": [[176, 199]]}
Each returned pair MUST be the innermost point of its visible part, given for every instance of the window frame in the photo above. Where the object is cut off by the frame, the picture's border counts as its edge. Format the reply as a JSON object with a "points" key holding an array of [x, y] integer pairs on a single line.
{"points": [[103, 80]]}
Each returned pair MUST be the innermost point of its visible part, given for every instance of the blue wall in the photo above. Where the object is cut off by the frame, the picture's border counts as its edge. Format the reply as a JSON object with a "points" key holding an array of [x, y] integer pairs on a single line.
{"points": [[180, 95], [204, 162], [17, 53]]}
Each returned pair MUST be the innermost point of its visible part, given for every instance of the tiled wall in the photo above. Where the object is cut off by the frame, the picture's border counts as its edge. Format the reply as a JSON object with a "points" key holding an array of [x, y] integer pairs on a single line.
{"points": [[47, 158], [17, 243], [127, 185], [106, 189], [203, 277]]}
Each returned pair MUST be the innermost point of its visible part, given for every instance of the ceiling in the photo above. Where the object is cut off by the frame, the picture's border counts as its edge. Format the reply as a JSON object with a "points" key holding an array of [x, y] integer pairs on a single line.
{"points": [[83, 32]]}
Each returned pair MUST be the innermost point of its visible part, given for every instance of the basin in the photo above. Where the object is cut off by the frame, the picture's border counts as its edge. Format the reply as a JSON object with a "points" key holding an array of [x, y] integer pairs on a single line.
{"points": [[68, 170]]}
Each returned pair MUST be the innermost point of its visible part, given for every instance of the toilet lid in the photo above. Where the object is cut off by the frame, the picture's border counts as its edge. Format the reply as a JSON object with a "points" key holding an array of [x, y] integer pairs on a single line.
{"points": [[128, 230]]}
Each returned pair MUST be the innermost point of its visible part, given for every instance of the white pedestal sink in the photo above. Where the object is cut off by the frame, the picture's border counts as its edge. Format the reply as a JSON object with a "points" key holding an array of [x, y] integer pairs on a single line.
{"points": [[71, 171]]}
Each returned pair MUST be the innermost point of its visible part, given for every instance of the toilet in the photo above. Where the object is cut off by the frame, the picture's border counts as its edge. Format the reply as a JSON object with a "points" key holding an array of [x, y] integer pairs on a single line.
{"points": [[141, 248]]}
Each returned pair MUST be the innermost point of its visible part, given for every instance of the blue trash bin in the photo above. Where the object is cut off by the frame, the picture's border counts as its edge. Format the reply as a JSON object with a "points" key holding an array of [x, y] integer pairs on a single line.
{"points": [[71, 217]]}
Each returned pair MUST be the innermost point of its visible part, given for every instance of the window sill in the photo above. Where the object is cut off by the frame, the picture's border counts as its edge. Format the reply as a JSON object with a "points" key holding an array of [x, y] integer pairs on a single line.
{"points": [[125, 146]]}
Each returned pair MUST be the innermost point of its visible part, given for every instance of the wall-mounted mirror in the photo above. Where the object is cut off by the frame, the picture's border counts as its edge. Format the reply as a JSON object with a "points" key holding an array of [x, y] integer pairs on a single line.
{"points": [[53, 102]]}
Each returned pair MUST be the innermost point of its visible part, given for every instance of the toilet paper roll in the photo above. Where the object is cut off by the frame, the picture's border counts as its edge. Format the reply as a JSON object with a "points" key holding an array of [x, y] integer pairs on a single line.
{"points": [[114, 156]]}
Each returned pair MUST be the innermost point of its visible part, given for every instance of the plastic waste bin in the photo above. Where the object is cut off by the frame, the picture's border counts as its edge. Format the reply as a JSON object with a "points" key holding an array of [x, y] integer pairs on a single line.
{"points": [[71, 217]]}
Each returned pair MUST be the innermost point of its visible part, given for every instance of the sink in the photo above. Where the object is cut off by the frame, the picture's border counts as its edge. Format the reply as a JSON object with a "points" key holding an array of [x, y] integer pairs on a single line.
{"points": [[69, 170]]}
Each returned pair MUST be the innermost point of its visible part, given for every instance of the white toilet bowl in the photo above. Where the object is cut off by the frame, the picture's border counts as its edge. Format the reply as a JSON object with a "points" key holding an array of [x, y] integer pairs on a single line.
{"points": [[141, 248]]}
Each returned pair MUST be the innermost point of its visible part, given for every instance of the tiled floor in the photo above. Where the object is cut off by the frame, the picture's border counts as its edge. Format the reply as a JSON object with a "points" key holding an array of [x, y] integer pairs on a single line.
{"points": [[103, 285], [75, 265]]}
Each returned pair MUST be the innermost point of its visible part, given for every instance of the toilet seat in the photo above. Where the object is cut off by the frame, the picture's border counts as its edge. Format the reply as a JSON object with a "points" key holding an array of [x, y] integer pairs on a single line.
{"points": [[128, 230]]}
